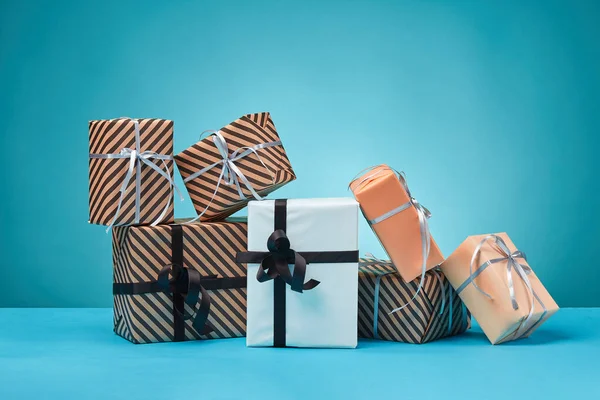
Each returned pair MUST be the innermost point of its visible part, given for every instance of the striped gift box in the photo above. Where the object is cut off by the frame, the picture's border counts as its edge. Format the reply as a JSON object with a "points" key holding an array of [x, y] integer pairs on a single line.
{"points": [[106, 175], [139, 255], [436, 312], [266, 169]]}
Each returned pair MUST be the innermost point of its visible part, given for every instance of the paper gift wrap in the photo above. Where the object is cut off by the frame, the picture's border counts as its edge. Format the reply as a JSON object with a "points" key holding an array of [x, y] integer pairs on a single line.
{"points": [[483, 269], [435, 313], [242, 161], [398, 220], [131, 171], [304, 291], [179, 282]]}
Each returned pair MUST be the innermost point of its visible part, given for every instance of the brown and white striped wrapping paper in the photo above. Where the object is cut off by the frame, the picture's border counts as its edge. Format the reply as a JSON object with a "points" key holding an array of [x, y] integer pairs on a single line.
{"points": [[420, 322], [247, 131], [106, 175], [140, 252]]}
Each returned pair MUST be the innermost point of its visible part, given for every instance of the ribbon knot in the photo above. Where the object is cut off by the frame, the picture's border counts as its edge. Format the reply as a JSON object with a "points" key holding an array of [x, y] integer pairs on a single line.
{"points": [[512, 264], [276, 263], [126, 151], [420, 207], [187, 283], [279, 246]]}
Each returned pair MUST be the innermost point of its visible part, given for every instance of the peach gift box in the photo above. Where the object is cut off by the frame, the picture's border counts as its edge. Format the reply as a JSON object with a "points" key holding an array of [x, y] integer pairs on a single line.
{"points": [[380, 191], [499, 318]]}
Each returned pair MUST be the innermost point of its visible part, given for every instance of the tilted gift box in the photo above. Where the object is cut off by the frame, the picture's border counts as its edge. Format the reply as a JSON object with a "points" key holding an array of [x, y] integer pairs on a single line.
{"points": [[242, 161], [398, 220], [436, 312], [131, 171], [179, 282], [302, 273], [497, 285]]}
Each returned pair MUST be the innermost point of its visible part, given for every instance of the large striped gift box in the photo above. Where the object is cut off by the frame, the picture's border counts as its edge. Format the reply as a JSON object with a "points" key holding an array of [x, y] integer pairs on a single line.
{"points": [[436, 312], [179, 282], [123, 188], [242, 161]]}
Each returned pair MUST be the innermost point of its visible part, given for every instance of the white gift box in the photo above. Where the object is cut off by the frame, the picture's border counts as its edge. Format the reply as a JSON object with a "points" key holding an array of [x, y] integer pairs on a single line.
{"points": [[322, 230]]}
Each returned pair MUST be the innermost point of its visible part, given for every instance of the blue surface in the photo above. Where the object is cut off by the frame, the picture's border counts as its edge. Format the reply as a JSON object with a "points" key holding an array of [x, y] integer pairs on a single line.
{"points": [[73, 353], [490, 107]]}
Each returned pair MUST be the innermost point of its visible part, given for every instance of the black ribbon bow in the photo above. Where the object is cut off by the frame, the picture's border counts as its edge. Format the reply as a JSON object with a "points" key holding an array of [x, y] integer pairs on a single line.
{"points": [[186, 282], [275, 263]]}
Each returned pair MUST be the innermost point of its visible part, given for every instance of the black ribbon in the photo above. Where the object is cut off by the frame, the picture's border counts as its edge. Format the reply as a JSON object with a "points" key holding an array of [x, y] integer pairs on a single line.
{"points": [[276, 262], [187, 289], [186, 285], [274, 265]]}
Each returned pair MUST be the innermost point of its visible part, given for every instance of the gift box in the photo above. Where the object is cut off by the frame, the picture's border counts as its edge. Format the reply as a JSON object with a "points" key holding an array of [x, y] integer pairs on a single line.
{"points": [[398, 220], [499, 287], [436, 312], [244, 160], [179, 282], [302, 273], [131, 171]]}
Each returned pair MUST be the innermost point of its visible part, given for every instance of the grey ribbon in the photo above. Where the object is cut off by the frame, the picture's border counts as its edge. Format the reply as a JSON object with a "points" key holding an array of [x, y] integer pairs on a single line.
{"points": [[136, 158], [449, 300], [512, 265], [371, 259], [230, 172], [376, 307], [450, 305], [423, 214], [540, 319]]}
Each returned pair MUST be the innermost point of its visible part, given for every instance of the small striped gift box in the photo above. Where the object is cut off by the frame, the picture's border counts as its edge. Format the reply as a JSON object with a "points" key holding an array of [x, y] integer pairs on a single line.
{"points": [[179, 282], [242, 161], [436, 312], [130, 171]]}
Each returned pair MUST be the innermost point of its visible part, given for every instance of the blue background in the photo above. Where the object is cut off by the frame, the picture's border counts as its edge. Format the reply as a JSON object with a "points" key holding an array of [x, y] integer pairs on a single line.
{"points": [[491, 108]]}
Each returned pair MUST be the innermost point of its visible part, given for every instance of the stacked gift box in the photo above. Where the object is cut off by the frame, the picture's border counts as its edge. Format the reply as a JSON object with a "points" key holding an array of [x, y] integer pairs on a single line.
{"points": [[289, 274]]}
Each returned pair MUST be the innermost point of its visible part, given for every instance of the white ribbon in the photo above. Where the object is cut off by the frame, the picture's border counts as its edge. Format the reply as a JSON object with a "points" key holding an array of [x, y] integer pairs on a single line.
{"points": [[522, 270], [230, 172], [135, 165], [423, 214]]}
